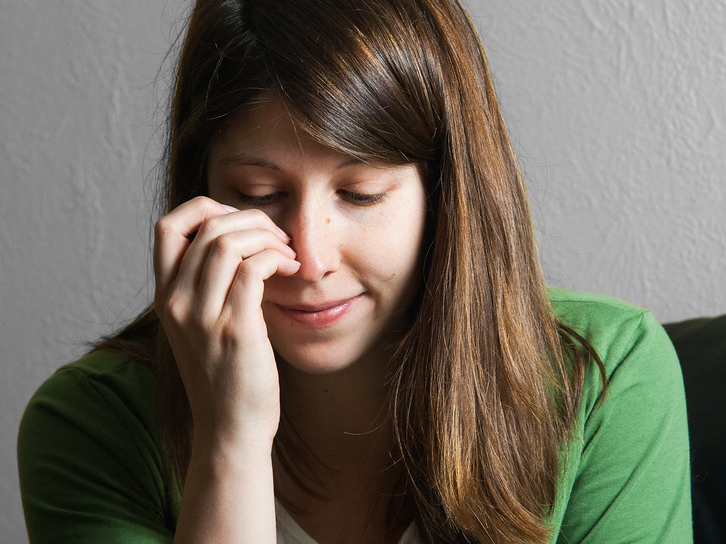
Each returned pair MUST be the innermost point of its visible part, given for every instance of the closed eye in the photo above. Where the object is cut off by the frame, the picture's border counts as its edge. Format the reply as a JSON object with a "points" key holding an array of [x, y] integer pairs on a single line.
{"points": [[260, 200], [362, 199]]}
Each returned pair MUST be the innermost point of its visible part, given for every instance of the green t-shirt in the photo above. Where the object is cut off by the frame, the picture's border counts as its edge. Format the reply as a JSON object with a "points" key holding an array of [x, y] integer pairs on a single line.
{"points": [[90, 466]]}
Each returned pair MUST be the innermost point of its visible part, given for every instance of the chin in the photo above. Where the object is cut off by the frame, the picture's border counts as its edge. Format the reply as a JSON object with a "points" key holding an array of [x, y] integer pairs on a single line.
{"points": [[320, 364], [325, 359]]}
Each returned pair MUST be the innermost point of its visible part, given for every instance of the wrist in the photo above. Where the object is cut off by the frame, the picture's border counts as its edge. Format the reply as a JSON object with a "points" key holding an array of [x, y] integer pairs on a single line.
{"points": [[228, 493], [228, 446]]}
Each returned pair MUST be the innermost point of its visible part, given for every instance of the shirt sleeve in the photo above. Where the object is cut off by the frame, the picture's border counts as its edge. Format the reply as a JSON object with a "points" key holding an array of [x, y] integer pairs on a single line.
{"points": [[89, 467], [628, 465]]}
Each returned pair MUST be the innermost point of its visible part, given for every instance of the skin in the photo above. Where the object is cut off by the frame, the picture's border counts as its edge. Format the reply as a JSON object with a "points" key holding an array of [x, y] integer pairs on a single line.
{"points": [[305, 253]]}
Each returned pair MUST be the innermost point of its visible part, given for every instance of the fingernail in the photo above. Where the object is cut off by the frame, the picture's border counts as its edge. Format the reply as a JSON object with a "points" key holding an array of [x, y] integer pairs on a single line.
{"points": [[230, 209]]}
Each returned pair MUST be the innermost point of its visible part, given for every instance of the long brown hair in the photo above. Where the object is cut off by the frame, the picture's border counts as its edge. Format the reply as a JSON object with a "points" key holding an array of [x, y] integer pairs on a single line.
{"points": [[485, 383]]}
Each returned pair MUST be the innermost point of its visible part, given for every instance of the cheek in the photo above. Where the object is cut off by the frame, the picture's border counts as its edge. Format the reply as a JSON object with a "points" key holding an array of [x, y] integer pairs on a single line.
{"points": [[391, 246]]}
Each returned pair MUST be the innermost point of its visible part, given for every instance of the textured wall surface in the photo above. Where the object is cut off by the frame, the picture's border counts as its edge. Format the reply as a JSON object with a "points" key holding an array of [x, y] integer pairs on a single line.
{"points": [[616, 107], [76, 146]]}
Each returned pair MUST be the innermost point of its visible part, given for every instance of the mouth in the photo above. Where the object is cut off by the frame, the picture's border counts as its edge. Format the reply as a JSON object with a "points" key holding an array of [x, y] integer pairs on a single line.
{"points": [[318, 315]]}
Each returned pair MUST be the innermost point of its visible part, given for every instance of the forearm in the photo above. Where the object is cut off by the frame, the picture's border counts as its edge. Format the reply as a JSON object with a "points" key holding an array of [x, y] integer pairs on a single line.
{"points": [[228, 496]]}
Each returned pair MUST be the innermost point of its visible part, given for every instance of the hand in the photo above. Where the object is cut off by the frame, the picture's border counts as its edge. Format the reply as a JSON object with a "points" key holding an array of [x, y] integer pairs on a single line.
{"points": [[208, 298]]}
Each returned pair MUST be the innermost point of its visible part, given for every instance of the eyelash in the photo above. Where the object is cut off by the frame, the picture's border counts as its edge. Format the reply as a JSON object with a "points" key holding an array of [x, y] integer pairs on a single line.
{"points": [[258, 200], [358, 199], [362, 199]]}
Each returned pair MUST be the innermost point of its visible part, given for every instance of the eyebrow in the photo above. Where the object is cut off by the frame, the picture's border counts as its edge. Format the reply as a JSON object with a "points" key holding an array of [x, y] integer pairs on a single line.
{"points": [[243, 159]]}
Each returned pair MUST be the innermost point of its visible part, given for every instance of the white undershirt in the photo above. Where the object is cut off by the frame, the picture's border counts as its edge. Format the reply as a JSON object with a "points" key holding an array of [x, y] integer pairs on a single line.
{"points": [[289, 532]]}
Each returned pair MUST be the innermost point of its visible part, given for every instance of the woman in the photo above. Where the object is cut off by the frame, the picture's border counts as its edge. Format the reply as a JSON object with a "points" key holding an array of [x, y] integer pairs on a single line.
{"points": [[351, 340]]}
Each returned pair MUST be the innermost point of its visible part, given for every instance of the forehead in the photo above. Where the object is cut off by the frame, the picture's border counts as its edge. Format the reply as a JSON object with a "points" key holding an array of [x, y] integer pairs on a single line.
{"points": [[266, 128]]}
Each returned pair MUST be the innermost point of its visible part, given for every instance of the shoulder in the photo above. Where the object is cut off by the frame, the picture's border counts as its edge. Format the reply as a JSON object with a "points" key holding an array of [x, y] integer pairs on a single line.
{"points": [[99, 383], [627, 469], [100, 397], [601, 319], [88, 440], [639, 360], [618, 331], [113, 369]]}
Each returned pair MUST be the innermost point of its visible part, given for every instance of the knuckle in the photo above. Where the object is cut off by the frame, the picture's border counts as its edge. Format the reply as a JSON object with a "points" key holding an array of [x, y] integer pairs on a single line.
{"points": [[178, 314], [161, 227], [248, 273], [222, 244], [259, 215], [209, 228], [174, 307], [201, 199], [245, 272]]}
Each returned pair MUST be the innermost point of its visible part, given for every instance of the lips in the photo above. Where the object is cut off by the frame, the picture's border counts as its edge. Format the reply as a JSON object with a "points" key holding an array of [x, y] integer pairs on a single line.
{"points": [[319, 314]]}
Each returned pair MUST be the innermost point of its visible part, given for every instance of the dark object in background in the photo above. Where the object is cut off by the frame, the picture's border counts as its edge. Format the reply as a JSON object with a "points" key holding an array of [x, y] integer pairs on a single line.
{"points": [[701, 347]]}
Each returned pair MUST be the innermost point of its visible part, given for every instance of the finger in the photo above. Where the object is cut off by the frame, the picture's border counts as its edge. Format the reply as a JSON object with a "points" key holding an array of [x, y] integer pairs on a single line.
{"points": [[222, 263], [171, 235], [194, 259], [245, 294]]}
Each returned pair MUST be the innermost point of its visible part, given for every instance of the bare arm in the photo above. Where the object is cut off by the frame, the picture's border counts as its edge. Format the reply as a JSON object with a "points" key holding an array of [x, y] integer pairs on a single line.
{"points": [[228, 496]]}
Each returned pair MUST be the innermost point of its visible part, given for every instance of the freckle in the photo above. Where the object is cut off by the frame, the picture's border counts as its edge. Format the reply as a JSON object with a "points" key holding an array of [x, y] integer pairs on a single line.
{"points": [[393, 275], [327, 220]]}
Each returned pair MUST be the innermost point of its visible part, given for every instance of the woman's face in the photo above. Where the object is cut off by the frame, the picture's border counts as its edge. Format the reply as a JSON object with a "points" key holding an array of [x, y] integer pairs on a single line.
{"points": [[357, 230]]}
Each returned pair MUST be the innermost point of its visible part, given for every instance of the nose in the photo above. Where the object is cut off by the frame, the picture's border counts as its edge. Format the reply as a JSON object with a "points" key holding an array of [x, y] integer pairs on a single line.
{"points": [[315, 241]]}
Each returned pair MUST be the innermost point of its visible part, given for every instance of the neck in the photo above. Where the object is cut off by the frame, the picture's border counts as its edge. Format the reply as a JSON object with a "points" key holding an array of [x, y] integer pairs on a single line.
{"points": [[342, 417], [347, 468]]}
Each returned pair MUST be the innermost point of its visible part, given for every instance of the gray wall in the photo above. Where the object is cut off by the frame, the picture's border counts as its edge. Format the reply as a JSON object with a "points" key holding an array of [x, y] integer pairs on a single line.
{"points": [[616, 108]]}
